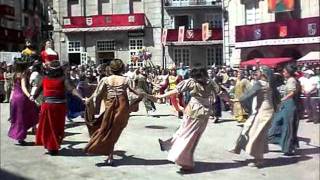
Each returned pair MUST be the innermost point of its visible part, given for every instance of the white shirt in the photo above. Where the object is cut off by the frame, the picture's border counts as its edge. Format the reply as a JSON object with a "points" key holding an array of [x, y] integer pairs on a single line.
{"points": [[308, 84]]}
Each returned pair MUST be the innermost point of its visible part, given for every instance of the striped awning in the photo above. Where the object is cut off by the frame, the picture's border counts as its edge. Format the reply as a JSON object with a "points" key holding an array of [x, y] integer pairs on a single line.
{"points": [[194, 43]]}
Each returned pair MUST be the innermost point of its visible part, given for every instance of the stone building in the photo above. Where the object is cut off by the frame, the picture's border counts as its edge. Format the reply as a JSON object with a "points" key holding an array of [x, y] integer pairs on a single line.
{"points": [[100, 30], [20, 20], [256, 31], [192, 48]]}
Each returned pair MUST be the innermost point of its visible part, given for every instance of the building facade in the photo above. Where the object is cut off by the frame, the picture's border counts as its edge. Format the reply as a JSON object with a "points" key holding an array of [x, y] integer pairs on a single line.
{"points": [[186, 40], [260, 28], [100, 30], [21, 20]]}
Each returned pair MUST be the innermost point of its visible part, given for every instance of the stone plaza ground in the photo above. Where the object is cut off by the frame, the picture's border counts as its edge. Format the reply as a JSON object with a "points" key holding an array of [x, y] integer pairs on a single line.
{"points": [[139, 157]]}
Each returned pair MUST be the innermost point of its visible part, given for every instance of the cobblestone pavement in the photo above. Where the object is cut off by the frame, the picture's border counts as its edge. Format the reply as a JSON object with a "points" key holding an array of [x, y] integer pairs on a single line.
{"points": [[139, 156]]}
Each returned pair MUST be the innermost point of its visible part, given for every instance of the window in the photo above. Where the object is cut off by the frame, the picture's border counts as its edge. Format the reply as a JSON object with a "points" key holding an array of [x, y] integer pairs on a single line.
{"points": [[186, 21], [106, 46], [74, 46], [135, 45], [252, 12], [214, 56], [182, 55], [215, 20]]}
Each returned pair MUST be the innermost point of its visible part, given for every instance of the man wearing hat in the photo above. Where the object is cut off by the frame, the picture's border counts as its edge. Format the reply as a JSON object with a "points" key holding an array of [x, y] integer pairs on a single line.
{"points": [[310, 91]]}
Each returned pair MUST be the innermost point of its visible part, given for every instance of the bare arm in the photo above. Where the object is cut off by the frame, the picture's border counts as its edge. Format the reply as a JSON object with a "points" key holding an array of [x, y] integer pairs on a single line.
{"points": [[169, 93], [24, 86], [73, 90], [37, 91], [290, 95]]}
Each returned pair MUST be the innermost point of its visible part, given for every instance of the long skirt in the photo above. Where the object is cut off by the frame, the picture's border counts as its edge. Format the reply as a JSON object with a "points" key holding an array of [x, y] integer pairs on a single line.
{"points": [[254, 135], [106, 134], [284, 127], [182, 145], [51, 126], [75, 106], [24, 114]]}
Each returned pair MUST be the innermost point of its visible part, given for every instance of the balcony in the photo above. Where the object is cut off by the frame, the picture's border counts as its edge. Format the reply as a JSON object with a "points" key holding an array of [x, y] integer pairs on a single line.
{"points": [[104, 22], [194, 37], [6, 10], [173, 4], [294, 31]]}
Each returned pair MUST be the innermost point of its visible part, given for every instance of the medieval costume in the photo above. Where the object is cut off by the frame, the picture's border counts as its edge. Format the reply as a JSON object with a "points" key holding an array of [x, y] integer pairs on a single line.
{"points": [[241, 86], [107, 128], [285, 123], [53, 110], [253, 138], [176, 100], [182, 145], [23, 112]]}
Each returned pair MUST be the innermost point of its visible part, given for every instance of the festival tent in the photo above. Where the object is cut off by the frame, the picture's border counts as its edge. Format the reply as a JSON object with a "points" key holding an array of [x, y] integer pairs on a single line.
{"points": [[270, 62], [312, 57]]}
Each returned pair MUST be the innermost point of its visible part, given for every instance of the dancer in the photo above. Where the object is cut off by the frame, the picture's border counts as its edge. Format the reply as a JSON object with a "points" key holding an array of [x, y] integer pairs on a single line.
{"points": [[50, 131], [105, 131], [286, 121], [183, 143], [242, 85], [175, 99], [23, 112], [253, 138]]}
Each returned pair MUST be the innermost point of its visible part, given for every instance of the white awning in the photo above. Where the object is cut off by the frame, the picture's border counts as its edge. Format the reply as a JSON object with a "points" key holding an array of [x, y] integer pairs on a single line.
{"points": [[95, 29], [273, 42], [312, 57], [194, 43]]}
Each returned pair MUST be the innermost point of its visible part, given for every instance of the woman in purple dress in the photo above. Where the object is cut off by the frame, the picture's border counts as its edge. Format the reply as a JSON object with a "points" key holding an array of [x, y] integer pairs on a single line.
{"points": [[23, 112]]}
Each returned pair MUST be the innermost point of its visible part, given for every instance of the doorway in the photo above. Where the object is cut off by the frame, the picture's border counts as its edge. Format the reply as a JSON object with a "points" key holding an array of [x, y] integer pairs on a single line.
{"points": [[105, 57], [74, 58]]}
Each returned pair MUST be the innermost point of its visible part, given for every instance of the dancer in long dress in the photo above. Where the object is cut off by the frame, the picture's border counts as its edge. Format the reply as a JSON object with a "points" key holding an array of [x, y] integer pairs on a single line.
{"points": [[182, 145], [54, 85], [285, 123], [242, 85], [23, 112], [254, 136], [105, 131]]}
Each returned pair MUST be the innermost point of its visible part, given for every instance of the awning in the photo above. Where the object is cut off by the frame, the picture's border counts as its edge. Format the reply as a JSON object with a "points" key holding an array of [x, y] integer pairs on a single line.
{"points": [[194, 43], [95, 29], [312, 57], [270, 62]]}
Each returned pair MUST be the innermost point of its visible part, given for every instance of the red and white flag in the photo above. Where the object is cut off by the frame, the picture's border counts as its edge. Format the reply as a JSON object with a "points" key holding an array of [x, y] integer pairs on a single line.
{"points": [[181, 34]]}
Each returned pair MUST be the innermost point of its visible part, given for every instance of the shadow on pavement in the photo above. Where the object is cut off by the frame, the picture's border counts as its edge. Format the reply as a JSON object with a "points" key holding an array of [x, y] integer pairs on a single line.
{"points": [[134, 161], [202, 167], [74, 124], [283, 161], [308, 151], [156, 127], [72, 152], [5, 175]]}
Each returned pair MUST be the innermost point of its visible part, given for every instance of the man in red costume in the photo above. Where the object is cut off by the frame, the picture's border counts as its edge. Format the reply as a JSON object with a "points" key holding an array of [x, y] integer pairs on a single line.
{"points": [[53, 111]]}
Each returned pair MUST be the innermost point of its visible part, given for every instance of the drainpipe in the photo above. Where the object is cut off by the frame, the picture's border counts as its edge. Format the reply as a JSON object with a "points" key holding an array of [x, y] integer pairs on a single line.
{"points": [[164, 63], [84, 33]]}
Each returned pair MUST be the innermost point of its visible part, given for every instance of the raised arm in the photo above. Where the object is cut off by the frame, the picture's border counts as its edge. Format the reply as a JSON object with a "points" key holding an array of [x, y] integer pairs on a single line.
{"points": [[73, 90]]}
